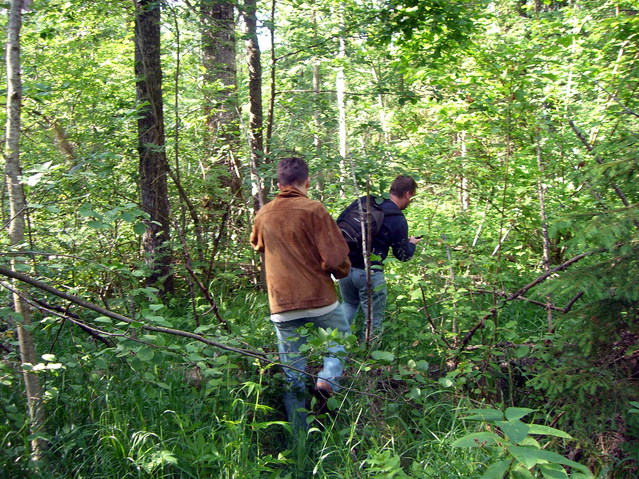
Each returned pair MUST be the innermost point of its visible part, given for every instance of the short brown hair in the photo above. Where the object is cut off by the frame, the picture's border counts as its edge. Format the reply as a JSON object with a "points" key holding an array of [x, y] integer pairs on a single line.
{"points": [[403, 184], [291, 171]]}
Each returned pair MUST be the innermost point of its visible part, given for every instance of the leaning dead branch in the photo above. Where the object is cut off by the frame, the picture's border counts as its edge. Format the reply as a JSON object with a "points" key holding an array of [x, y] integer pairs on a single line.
{"points": [[520, 292]]}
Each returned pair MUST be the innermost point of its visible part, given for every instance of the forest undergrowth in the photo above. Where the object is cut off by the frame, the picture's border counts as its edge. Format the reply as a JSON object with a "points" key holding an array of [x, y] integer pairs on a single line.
{"points": [[415, 404]]}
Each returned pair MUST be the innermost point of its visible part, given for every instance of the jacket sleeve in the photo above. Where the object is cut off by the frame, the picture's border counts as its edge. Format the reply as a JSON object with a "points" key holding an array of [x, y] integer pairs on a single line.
{"points": [[257, 242], [403, 249], [331, 246]]}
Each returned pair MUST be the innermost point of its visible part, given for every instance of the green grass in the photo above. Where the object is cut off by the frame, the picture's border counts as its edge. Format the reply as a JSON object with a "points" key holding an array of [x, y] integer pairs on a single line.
{"points": [[127, 413]]}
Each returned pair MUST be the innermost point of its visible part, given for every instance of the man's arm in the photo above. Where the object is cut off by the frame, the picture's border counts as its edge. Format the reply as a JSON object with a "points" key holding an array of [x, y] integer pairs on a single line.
{"points": [[332, 246], [256, 239], [403, 246]]}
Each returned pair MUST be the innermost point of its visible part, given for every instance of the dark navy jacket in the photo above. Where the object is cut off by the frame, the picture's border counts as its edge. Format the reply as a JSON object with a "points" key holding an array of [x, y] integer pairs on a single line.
{"points": [[393, 234]]}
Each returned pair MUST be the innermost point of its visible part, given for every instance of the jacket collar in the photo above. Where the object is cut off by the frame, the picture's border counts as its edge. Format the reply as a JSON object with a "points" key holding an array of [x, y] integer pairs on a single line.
{"points": [[290, 192]]}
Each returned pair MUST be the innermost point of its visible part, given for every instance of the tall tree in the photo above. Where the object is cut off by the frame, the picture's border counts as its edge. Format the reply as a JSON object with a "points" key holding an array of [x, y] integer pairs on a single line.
{"points": [[151, 148], [256, 117], [220, 84], [17, 209]]}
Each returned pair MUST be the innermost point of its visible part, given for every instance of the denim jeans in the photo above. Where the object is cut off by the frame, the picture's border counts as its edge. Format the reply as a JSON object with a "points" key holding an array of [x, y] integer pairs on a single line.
{"points": [[355, 297], [289, 342]]}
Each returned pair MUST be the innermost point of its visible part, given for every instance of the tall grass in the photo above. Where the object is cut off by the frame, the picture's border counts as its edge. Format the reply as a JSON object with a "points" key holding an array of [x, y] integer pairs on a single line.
{"points": [[114, 416]]}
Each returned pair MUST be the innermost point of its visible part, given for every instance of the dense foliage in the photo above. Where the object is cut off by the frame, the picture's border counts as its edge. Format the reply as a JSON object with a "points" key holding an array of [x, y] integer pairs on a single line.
{"points": [[520, 120]]}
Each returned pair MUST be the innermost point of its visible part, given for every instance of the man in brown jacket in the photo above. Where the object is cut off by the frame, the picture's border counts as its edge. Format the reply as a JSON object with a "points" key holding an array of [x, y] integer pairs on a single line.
{"points": [[302, 248]]}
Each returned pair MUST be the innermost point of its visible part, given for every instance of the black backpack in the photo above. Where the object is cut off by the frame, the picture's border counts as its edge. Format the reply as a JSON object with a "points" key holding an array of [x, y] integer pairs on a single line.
{"points": [[350, 221]]}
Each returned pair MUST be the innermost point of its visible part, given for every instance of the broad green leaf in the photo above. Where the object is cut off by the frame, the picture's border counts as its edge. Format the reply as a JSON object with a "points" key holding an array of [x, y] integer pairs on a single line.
{"points": [[497, 470], [489, 415], [146, 354], [478, 439], [553, 471], [383, 356], [139, 228], [517, 412], [422, 365], [516, 430], [518, 471], [547, 431], [445, 382], [530, 457]]}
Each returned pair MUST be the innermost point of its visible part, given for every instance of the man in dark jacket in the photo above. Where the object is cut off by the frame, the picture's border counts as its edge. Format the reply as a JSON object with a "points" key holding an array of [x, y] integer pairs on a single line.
{"points": [[392, 235], [302, 248]]}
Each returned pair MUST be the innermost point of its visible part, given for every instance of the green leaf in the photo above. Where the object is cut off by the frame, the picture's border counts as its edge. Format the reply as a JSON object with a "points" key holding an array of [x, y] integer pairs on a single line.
{"points": [[553, 471], [529, 457], [383, 356], [478, 439], [139, 228], [517, 412], [547, 431], [146, 354], [332, 403], [446, 382], [488, 415], [97, 225], [497, 470], [422, 365], [516, 430], [85, 210]]}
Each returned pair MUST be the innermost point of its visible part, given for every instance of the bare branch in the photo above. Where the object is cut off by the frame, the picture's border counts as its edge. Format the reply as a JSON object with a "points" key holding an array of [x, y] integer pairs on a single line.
{"points": [[521, 291]]}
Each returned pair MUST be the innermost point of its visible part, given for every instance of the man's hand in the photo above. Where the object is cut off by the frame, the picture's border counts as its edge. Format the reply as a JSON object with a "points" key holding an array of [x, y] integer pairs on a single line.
{"points": [[414, 239]]}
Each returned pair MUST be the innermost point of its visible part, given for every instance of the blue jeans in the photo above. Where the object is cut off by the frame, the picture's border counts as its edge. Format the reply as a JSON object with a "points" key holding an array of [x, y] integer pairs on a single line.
{"points": [[355, 297], [289, 342]]}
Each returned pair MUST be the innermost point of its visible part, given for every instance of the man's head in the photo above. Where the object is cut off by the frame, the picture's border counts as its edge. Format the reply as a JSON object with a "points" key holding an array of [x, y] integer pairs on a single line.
{"points": [[402, 190], [292, 172]]}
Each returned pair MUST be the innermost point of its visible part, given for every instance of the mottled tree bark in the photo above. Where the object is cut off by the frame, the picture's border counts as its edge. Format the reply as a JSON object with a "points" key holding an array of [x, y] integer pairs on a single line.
{"points": [[153, 164], [220, 86], [256, 136]]}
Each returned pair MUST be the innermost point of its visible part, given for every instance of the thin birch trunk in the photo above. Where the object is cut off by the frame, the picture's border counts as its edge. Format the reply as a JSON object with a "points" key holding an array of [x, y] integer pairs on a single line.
{"points": [[17, 205]]}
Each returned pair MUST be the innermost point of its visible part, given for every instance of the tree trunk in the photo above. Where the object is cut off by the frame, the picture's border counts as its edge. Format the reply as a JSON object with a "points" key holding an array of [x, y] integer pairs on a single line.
{"points": [[17, 207], [153, 163], [270, 115], [220, 86], [340, 86], [256, 138], [317, 108]]}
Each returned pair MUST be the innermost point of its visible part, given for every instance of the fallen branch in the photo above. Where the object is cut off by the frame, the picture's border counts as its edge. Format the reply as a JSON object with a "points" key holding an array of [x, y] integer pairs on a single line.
{"points": [[110, 314], [160, 329]]}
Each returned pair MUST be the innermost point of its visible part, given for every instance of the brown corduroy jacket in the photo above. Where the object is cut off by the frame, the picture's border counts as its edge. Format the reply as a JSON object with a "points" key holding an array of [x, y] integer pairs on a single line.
{"points": [[302, 247]]}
